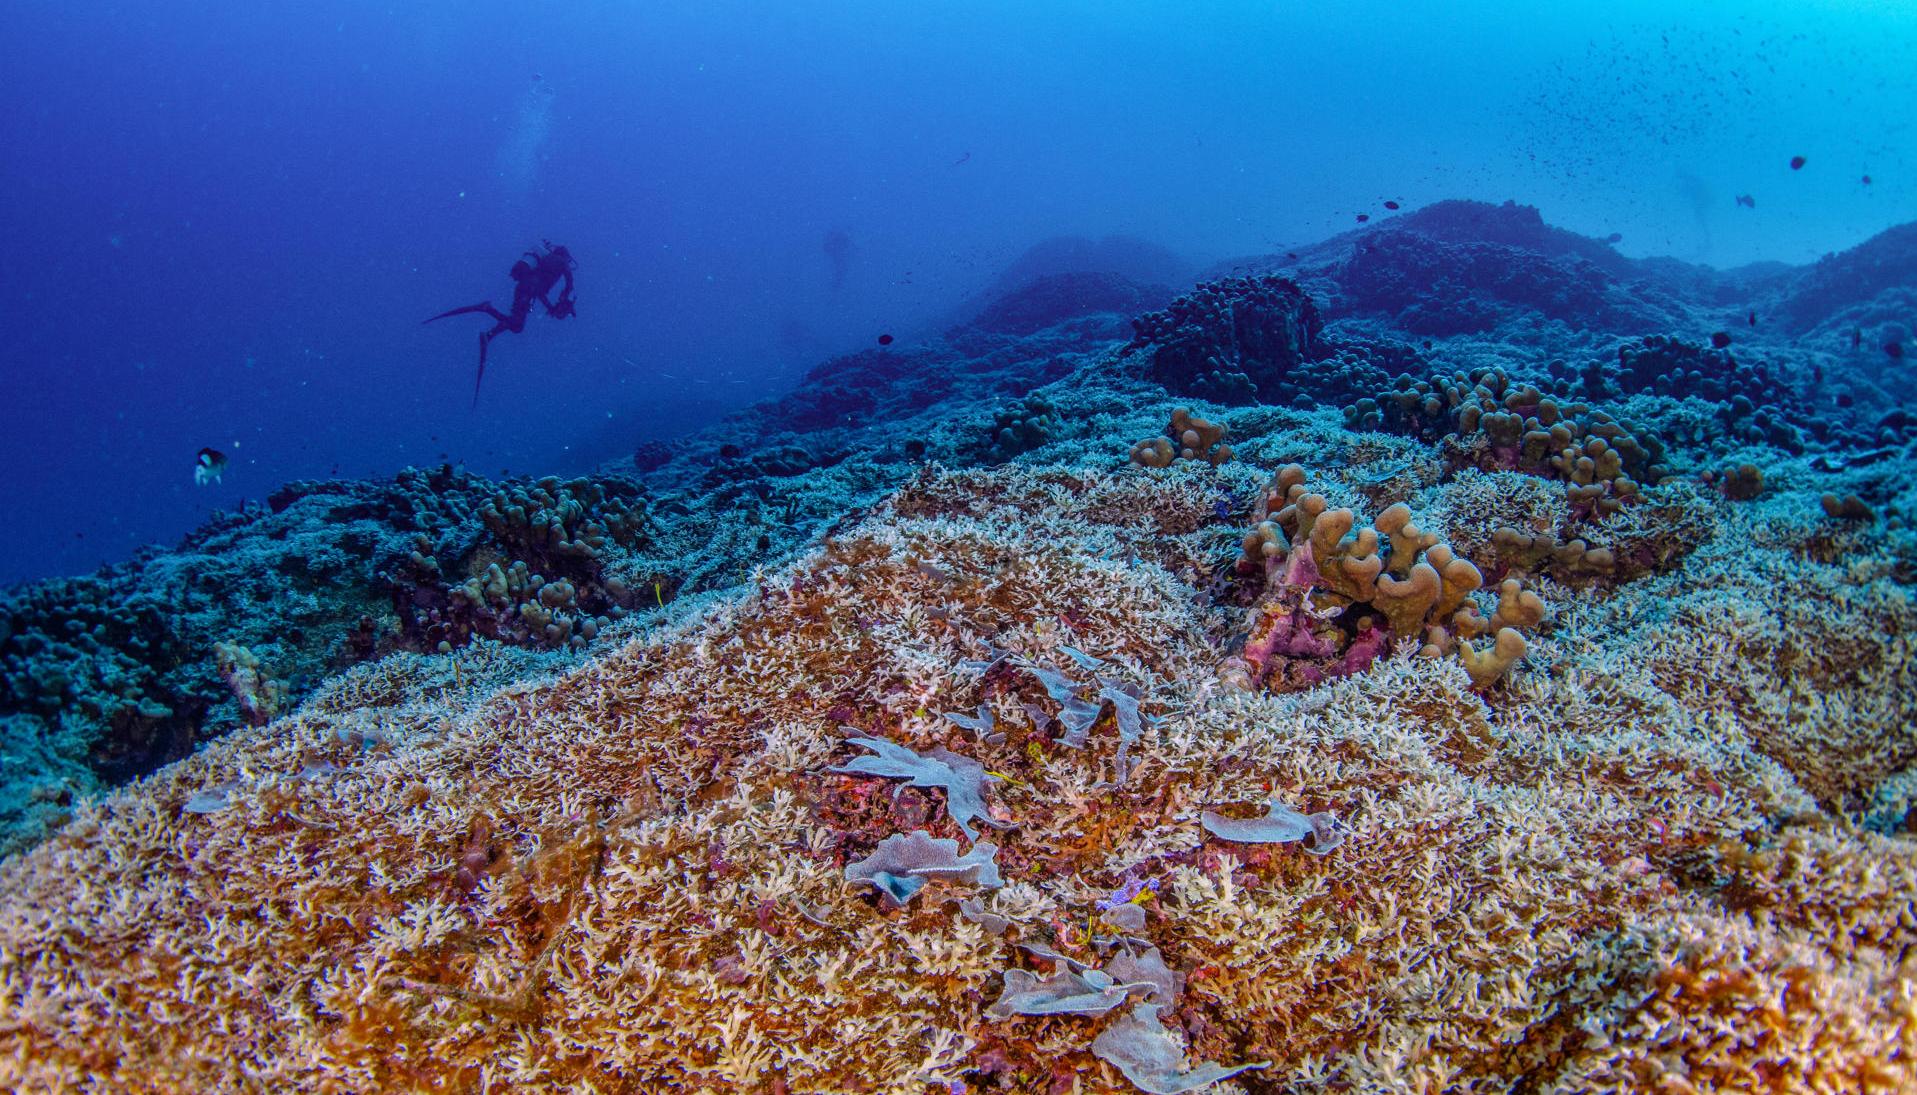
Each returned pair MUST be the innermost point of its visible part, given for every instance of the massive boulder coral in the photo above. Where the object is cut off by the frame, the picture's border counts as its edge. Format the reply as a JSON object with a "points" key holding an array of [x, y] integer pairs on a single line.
{"points": [[1491, 422], [1754, 401], [1188, 437], [1235, 340]]}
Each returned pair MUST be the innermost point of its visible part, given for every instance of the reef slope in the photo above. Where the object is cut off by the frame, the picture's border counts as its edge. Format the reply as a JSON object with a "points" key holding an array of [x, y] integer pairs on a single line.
{"points": [[1669, 847]]}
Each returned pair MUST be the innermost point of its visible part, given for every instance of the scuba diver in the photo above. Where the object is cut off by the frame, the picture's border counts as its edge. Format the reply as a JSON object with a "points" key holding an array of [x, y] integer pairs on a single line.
{"points": [[532, 281]]}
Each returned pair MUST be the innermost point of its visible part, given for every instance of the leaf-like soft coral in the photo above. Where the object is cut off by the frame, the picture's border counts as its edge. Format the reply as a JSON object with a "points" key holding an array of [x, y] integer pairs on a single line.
{"points": [[1141, 1048], [1280, 825], [1072, 990], [1078, 715], [981, 724], [1148, 968], [903, 864], [961, 778]]}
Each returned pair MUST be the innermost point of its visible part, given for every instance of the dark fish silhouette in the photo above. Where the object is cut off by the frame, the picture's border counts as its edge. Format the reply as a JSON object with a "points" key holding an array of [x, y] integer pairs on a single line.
{"points": [[208, 465], [885, 340], [1797, 163], [1856, 338], [1363, 217], [1720, 339], [1615, 237], [1895, 350], [1866, 180], [1753, 317], [1747, 201], [1391, 205]]}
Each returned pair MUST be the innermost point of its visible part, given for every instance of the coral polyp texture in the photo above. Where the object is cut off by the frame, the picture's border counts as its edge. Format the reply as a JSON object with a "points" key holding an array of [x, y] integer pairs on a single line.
{"points": [[633, 875], [1486, 715]]}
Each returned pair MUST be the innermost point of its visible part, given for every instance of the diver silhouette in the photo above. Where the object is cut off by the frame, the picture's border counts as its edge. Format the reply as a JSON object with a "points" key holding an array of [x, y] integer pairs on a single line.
{"points": [[532, 281]]}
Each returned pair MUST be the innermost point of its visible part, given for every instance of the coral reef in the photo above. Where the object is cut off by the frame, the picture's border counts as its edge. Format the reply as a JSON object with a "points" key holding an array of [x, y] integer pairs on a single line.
{"points": [[1052, 299], [1188, 437], [1466, 268], [1235, 340], [917, 731], [1336, 598], [437, 872]]}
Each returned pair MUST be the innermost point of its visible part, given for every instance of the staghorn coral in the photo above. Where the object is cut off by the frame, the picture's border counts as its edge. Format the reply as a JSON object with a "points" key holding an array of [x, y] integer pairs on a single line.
{"points": [[629, 874]]}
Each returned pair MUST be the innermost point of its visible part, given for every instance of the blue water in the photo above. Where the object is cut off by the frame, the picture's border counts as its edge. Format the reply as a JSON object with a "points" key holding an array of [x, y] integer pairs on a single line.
{"points": [[224, 222]]}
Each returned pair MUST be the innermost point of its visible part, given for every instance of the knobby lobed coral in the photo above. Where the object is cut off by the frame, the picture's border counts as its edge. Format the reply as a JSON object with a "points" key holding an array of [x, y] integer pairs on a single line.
{"points": [[1335, 597]]}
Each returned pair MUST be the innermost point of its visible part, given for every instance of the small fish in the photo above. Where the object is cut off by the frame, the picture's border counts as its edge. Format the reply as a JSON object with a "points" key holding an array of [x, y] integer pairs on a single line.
{"points": [[1135, 892], [1615, 237], [1753, 317], [1747, 201], [961, 159], [1797, 163], [1363, 217], [1866, 180], [1856, 338], [1292, 255], [1391, 205], [208, 466], [1895, 350], [1720, 339], [885, 340]]}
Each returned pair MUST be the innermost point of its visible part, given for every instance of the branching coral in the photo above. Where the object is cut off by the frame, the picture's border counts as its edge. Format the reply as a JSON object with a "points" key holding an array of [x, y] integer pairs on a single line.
{"points": [[631, 875]]}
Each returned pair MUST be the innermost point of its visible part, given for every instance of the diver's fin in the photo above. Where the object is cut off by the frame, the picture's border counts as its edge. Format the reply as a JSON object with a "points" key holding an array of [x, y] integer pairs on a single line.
{"points": [[483, 306], [481, 375]]}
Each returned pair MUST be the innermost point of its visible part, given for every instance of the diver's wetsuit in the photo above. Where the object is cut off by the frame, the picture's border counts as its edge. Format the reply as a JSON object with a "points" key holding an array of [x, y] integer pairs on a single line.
{"points": [[531, 281]]}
